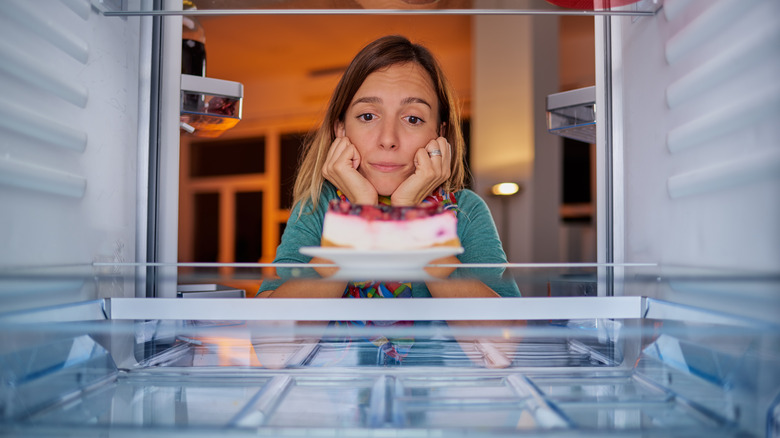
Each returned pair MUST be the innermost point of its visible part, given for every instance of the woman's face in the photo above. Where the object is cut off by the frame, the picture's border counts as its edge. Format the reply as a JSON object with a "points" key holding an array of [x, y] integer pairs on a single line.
{"points": [[393, 114]]}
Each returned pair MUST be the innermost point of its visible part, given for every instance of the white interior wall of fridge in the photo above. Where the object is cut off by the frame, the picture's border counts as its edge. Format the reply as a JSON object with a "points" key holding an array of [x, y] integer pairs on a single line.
{"points": [[696, 98], [74, 128]]}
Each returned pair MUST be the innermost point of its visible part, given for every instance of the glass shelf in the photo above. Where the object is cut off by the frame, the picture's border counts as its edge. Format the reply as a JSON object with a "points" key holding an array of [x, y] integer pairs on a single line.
{"points": [[639, 377], [361, 7], [566, 363]]}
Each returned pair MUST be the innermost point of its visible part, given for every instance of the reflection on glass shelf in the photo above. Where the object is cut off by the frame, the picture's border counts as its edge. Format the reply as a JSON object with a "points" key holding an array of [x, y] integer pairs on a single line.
{"points": [[157, 403], [328, 401], [231, 352], [274, 378], [642, 416], [405, 402], [605, 389]]}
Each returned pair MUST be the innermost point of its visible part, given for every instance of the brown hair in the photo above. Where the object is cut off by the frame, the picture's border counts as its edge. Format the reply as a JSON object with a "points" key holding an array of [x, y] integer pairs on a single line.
{"points": [[379, 54]]}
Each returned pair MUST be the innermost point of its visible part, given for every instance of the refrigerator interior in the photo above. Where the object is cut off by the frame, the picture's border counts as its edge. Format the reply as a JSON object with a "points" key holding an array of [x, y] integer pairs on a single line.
{"points": [[559, 365], [673, 331]]}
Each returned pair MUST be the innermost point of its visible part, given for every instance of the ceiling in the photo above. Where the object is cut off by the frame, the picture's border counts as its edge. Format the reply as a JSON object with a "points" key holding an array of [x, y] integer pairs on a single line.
{"points": [[282, 45]]}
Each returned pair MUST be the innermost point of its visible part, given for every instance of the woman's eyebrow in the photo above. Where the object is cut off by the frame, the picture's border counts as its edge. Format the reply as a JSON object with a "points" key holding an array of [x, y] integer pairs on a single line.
{"points": [[405, 101], [411, 99], [367, 99]]}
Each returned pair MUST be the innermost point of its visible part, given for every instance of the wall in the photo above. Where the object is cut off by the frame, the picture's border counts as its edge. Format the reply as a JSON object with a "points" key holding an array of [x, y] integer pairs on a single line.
{"points": [[509, 134]]}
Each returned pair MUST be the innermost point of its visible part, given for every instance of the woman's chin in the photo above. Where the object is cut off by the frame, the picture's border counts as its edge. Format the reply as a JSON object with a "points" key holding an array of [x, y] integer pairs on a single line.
{"points": [[385, 189]]}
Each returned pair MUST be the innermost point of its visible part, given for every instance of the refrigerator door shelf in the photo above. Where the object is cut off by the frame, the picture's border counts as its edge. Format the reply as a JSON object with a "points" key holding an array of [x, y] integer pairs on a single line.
{"points": [[209, 106], [572, 114]]}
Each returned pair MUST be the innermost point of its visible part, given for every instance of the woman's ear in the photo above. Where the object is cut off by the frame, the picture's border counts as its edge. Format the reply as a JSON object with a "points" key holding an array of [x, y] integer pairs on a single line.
{"points": [[338, 129], [443, 129]]}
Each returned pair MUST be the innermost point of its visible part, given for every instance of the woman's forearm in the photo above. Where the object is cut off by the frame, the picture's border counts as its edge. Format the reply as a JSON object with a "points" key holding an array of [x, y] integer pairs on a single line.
{"points": [[324, 288], [456, 288], [311, 287], [460, 288]]}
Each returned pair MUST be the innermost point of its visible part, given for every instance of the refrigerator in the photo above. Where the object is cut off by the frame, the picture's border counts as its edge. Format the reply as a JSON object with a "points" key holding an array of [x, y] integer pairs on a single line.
{"points": [[672, 331]]}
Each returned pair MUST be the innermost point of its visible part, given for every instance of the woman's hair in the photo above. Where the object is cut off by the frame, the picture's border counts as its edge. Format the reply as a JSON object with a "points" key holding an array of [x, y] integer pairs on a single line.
{"points": [[380, 54]]}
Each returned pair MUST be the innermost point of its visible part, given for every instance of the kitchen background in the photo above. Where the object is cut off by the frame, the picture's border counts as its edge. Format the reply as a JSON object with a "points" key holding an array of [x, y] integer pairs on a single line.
{"points": [[234, 190]]}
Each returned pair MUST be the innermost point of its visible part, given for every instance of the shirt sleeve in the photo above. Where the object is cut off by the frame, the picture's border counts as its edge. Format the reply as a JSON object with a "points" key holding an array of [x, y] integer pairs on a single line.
{"points": [[481, 244]]}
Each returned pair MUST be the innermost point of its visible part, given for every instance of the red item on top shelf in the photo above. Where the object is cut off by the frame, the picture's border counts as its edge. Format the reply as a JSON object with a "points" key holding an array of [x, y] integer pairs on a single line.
{"points": [[591, 4]]}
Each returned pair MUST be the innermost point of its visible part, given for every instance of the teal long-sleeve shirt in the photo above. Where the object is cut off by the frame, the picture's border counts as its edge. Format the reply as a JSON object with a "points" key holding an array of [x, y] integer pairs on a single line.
{"points": [[476, 230]]}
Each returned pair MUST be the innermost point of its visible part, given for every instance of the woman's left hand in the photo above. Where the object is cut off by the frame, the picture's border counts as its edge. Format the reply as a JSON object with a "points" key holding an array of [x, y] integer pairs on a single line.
{"points": [[432, 169]]}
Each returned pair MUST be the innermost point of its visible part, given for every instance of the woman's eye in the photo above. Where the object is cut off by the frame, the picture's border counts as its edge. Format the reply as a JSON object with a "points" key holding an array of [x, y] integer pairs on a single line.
{"points": [[414, 120], [366, 117]]}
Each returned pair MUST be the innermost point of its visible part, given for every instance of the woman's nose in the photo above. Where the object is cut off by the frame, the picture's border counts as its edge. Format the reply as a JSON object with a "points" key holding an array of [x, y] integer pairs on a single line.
{"points": [[388, 136]]}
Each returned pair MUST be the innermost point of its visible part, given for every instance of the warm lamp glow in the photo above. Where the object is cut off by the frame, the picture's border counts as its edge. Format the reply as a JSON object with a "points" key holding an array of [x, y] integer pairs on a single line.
{"points": [[505, 189]]}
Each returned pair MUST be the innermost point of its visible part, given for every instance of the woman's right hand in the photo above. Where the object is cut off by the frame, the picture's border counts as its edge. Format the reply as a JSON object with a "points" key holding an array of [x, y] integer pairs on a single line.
{"points": [[340, 169]]}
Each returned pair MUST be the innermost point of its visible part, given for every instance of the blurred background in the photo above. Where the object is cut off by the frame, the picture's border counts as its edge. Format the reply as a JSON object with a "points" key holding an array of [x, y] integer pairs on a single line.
{"points": [[235, 190]]}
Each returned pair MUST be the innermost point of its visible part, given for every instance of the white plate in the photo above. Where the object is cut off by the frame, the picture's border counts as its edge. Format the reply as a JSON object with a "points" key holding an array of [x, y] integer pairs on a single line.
{"points": [[358, 265]]}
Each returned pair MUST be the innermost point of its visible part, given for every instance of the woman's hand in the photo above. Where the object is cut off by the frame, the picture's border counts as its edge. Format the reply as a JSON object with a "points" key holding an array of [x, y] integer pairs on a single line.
{"points": [[432, 169], [340, 168]]}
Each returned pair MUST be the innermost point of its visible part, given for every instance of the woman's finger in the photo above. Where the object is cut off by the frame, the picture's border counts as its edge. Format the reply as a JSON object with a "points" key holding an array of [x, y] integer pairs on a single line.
{"points": [[446, 154], [440, 152], [447, 159], [429, 169], [434, 149], [335, 148], [341, 153], [329, 158], [351, 153]]}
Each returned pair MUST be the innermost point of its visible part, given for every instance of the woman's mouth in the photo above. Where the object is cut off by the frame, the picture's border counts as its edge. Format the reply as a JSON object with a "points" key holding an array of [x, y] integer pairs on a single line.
{"points": [[386, 167]]}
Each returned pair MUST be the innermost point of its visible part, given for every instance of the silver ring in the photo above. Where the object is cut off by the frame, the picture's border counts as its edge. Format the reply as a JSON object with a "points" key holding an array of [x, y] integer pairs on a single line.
{"points": [[434, 153]]}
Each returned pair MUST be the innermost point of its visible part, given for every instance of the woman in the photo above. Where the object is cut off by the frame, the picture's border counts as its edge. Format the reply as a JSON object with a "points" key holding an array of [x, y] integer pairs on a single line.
{"points": [[391, 134]]}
